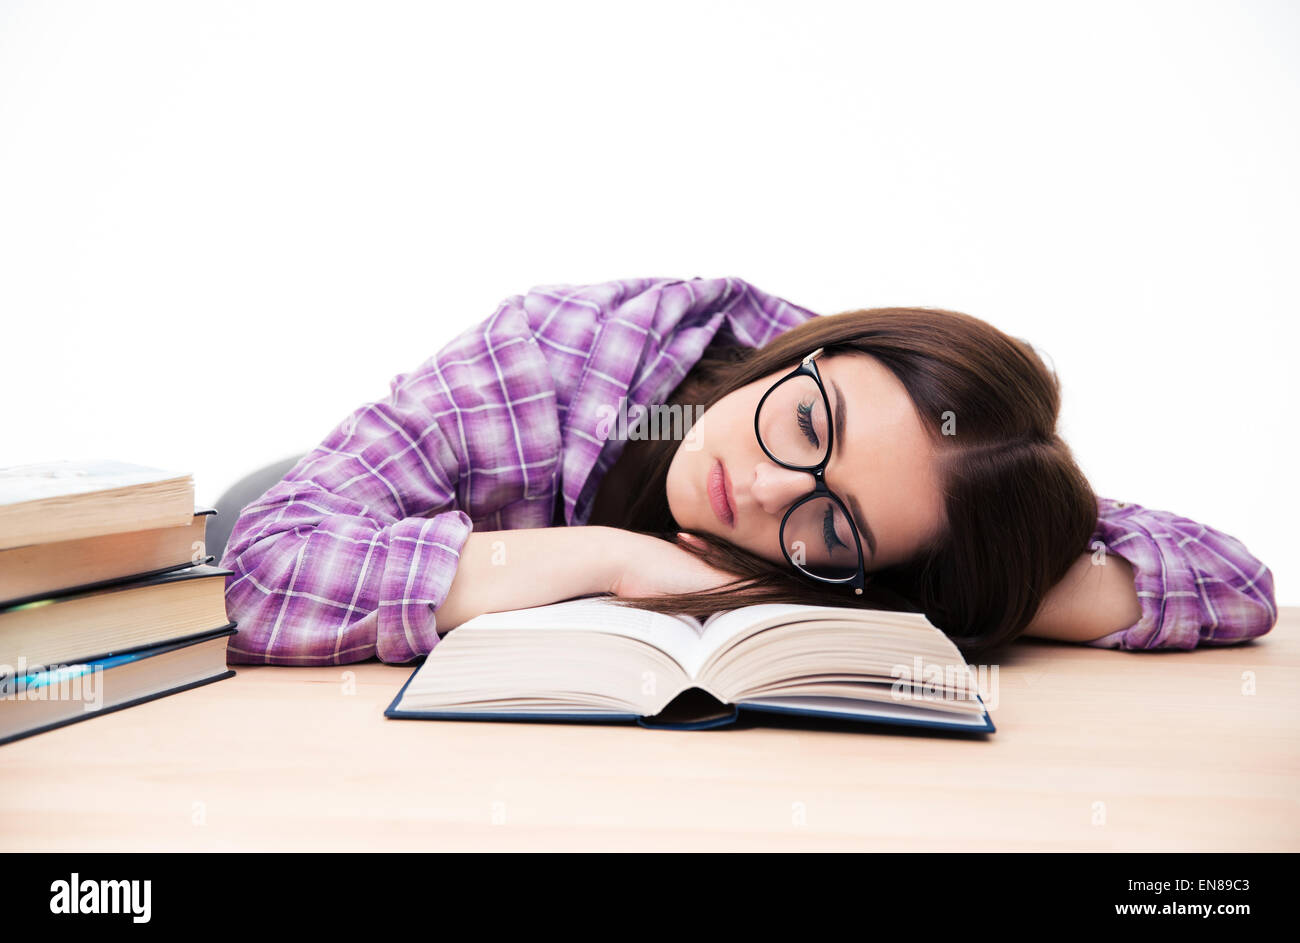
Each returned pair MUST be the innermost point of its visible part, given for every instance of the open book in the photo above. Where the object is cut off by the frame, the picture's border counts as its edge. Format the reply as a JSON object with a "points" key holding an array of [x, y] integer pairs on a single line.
{"points": [[593, 660]]}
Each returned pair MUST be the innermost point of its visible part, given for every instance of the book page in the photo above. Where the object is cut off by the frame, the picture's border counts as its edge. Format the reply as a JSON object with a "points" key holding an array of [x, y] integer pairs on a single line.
{"points": [[23, 483], [677, 638], [721, 628]]}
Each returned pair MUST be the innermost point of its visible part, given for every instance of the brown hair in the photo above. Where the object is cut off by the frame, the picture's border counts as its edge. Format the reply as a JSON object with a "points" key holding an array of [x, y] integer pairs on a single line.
{"points": [[1018, 509]]}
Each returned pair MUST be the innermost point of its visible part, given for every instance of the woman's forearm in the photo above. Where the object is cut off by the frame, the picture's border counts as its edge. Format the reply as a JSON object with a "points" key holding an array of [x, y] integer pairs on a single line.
{"points": [[516, 569], [1092, 600]]}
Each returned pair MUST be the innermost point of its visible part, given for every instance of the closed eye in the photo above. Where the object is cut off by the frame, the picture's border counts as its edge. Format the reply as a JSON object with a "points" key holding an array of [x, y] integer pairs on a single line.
{"points": [[828, 531], [804, 416]]}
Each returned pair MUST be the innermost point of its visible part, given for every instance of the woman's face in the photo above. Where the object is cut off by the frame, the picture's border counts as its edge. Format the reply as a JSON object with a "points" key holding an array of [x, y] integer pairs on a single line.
{"points": [[882, 466]]}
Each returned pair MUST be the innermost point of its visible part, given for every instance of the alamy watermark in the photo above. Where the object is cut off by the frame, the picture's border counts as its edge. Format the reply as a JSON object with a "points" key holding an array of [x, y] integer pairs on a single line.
{"points": [[945, 682], [53, 683], [655, 422], [80, 896]]}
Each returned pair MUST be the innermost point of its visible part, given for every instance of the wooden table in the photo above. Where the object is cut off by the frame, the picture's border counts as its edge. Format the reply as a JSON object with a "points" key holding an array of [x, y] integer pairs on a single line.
{"points": [[1095, 750]]}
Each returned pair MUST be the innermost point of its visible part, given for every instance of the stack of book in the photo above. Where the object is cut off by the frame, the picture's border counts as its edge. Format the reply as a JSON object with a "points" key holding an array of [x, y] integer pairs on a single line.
{"points": [[107, 595]]}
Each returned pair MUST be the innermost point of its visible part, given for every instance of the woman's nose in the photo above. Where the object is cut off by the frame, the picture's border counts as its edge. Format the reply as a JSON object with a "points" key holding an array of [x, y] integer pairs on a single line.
{"points": [[775, 488]]}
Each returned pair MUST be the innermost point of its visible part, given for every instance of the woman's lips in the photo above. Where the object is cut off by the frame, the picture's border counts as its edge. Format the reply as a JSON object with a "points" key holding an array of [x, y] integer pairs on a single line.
{"points": [[719, 499]]}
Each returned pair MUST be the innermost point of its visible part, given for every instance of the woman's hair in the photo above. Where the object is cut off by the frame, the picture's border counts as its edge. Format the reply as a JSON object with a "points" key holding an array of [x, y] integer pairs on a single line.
{"points": [[1018, 510]]}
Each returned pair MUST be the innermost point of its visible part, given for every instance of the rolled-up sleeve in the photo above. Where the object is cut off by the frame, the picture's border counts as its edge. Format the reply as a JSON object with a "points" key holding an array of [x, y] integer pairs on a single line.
{"points": [[348, 557], [1196, 585]]}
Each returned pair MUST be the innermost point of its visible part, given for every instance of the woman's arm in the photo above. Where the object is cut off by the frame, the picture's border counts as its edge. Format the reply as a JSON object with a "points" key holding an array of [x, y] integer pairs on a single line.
{"points": [[516, 569], [1193, 585], [342, 559], [1093, 599], [349, 556]]}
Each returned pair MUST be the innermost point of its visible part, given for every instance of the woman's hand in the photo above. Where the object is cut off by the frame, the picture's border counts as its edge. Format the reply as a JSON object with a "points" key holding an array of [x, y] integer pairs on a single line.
{"points": [[648, 566]]}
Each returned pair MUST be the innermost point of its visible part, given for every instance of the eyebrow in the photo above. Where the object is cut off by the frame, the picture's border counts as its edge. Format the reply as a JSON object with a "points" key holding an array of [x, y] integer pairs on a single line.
{"points": [[859, 520]]}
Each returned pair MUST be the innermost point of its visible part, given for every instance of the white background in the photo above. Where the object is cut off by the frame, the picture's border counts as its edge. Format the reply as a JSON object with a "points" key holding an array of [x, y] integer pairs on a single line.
{"points": [[224, 226]]}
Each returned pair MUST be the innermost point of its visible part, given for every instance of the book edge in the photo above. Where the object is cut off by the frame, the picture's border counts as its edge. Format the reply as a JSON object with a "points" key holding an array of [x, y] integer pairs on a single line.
{"points": [[228, 673], [187, 571], [152, 648], [100, 585]]}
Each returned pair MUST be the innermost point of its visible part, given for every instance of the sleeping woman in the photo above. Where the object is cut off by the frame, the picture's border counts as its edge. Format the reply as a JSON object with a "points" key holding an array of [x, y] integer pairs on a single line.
{"points": [[692, 445]]}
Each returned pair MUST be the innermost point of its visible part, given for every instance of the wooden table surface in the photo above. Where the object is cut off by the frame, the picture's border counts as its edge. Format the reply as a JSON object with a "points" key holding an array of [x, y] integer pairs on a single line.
{"points": [[1095, 750]]}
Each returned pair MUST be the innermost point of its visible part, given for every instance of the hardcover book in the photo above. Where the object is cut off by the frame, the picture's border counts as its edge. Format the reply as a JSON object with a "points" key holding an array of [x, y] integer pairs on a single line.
{"points": [[67, 500], [43, 700], [591, 660], [75, 627], [35, 571]]}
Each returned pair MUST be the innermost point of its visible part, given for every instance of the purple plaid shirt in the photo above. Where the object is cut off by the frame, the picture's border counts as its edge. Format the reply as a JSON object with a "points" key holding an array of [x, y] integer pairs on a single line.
{"points": [[349, 556]]}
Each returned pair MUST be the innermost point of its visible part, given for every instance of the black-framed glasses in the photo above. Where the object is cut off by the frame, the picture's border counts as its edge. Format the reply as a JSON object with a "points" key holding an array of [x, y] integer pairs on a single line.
{"points": [[794, 427]]}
